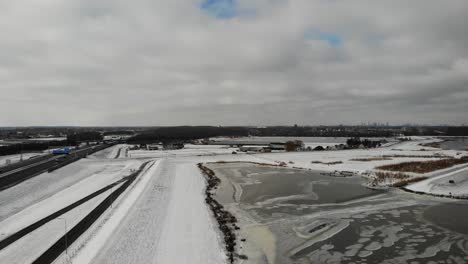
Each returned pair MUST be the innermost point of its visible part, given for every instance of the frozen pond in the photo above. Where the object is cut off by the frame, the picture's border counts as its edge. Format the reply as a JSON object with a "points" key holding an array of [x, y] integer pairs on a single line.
{"points": [[297, 186], [299, 216], [453, 216], [456, 143], [390, 236]]}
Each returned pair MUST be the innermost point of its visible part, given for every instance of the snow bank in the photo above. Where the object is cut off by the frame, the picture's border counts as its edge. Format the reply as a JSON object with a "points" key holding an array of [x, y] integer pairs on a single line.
{"points": [[187, 228]]}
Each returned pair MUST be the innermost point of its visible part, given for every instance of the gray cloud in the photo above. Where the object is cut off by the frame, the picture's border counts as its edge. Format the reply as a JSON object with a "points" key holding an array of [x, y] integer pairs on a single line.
{"points": [[115, 62]]}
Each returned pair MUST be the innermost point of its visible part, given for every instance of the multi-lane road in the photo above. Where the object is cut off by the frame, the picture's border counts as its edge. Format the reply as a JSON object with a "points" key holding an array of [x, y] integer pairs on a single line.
{"points": [[21, 171], [34, 211]]}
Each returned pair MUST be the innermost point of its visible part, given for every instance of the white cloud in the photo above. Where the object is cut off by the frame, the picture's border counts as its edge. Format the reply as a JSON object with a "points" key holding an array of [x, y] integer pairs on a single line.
{"points": [[142, 62]]}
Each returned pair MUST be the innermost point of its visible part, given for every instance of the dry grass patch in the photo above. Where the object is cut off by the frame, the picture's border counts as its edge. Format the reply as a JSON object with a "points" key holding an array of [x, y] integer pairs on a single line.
{"points": [[371, 159], [326, 163], [417, 156], [248, 162], [398, 179], [384, 176], [424, 166], [408, 181], [432, 145]]}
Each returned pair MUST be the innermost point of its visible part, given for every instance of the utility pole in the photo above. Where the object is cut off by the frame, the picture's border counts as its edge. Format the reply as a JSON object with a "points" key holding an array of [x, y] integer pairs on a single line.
{"points": [[21, 151]]}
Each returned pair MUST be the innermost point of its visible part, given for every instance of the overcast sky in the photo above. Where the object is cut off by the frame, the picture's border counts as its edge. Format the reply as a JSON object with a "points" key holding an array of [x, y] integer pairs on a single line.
{"points": [[233, 62]]}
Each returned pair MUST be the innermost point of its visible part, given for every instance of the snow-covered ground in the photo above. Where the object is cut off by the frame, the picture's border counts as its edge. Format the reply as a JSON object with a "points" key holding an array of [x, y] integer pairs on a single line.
{"points": [[109, 153], [315, 160], [189, 226], [318, 160], [116, 218], [188, 151], [162, 217], [168, 222]]}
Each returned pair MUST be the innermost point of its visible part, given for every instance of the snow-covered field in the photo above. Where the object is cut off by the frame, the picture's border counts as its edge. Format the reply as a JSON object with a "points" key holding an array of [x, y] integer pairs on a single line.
{"points": [[346, 157]]}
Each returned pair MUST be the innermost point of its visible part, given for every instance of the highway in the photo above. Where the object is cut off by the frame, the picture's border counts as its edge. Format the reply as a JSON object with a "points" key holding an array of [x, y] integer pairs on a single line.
{"points": [[36, 233], [24, 163], [30, 168], [25, 167]]}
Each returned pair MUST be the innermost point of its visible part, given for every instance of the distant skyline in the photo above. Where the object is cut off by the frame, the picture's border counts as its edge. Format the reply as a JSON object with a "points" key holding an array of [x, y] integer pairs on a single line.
{"points": [[258, 126], [233, 62]]}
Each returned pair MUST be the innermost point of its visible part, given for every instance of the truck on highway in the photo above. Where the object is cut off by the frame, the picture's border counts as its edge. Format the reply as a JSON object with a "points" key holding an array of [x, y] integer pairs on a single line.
{"points": [[64, 151]]}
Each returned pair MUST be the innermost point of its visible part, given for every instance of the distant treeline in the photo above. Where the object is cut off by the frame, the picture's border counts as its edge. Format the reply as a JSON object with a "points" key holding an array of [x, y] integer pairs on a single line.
{"points": [[74, 139], [356, 142], [29, 147], [296, 131], [356, 131], [119, 132], [457, 131], [185, 133]]}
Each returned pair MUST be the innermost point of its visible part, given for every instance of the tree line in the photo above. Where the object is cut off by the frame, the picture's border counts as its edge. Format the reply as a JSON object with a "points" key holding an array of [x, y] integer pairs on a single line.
{"points": [[30, 147], [186, 133]]}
